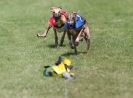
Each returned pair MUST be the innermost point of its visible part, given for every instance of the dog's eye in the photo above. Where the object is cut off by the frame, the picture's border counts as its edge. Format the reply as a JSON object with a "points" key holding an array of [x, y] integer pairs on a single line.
{"points": [[53, 12]]}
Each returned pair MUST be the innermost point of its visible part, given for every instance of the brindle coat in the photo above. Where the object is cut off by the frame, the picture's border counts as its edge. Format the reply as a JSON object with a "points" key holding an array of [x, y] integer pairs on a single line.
{"points": [[75, 35]]}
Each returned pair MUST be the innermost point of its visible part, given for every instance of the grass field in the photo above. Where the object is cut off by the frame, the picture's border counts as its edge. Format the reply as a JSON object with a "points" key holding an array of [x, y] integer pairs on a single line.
{"points": [[105, 72]]}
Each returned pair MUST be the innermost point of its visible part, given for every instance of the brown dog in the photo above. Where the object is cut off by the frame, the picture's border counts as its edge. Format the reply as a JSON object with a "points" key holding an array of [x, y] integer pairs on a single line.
{"points": [[77, 29], [56, 21]]}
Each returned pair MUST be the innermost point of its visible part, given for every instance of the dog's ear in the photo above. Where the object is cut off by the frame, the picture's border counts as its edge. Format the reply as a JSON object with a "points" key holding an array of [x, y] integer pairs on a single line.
{"points": [[74, 13], [52, 9], [60, 7]]}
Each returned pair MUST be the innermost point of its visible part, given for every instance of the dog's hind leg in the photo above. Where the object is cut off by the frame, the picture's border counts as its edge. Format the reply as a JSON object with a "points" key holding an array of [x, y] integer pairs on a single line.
{"points": [[62, 38], [74, 44], [88, 43], [87, 37], [78, 36]]}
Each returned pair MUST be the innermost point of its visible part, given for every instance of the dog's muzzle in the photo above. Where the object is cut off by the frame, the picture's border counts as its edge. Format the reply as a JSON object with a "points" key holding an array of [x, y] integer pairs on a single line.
{"points": [[57, 17], [71, 25]]}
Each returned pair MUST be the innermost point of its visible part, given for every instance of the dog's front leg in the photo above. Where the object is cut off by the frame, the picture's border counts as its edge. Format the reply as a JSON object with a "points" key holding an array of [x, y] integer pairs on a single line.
{"points": [[72, 42], [56, 38], [69, 37], [62, 38], [45, 33]]}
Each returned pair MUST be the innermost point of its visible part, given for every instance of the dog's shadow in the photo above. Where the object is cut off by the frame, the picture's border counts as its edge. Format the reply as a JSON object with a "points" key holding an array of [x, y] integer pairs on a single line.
{"points": [[54, 46], [51, 46], [73, 53], [67, 53]]}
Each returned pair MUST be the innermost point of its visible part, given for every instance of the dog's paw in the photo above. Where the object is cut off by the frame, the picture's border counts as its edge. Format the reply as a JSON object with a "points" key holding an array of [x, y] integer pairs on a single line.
{"points": [[39, 35], [76, 43]]}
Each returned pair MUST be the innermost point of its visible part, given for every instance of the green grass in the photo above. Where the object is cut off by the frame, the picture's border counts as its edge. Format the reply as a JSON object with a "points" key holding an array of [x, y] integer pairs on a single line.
{"points": [[105, 72]]}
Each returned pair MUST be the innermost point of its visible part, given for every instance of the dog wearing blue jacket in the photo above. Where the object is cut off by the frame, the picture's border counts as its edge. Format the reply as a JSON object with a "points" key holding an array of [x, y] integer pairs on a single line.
{"points": [[77, 29]]}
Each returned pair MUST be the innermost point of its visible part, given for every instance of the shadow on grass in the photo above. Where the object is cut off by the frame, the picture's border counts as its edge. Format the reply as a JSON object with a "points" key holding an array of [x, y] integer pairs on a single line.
{"points": [[53, 46], [72, 53]]}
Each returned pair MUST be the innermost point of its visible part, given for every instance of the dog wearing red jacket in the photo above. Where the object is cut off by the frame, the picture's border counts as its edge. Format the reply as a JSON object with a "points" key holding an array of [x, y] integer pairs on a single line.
{"points": [[56, 21]]}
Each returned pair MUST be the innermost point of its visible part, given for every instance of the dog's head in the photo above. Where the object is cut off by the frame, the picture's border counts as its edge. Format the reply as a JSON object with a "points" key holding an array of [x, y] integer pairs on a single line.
{"points": [[71, 19], [56, 12]]}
